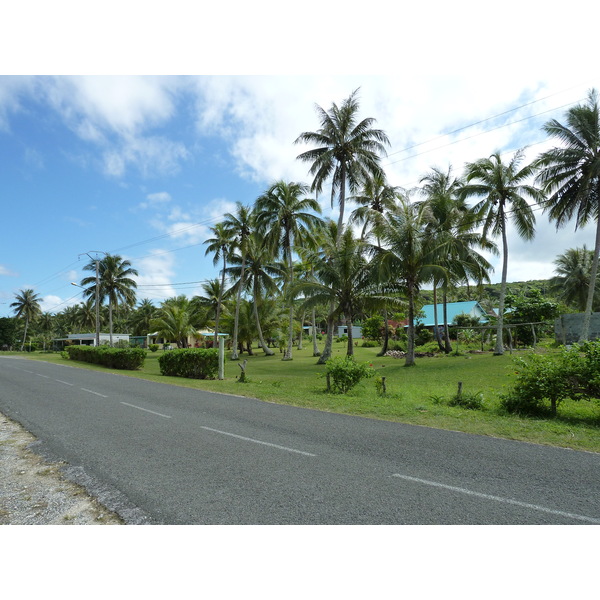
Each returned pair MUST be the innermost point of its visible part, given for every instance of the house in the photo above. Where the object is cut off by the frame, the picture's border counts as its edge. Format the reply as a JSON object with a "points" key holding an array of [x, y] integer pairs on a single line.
{"points": [[89, 339], [471, 308], [356, 331]]}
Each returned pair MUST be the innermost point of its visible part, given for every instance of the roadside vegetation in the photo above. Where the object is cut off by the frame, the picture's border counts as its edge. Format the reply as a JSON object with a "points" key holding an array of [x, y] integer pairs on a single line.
{"points": [[420, 396]]}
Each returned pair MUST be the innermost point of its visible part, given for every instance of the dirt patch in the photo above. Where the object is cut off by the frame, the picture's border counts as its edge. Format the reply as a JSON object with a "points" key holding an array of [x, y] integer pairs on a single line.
{"points": [[33, 491]]}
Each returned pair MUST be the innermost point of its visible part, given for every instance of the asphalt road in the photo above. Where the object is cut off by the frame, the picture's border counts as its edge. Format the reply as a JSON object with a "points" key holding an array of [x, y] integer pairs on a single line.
{"points": [[167, 454]]}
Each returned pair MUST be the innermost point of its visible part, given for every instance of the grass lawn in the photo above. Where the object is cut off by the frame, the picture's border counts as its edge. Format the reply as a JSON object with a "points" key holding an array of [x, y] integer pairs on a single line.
{"points": [[411, 393]]}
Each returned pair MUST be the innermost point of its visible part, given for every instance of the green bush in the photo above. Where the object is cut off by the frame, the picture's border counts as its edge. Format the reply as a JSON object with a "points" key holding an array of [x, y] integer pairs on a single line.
{"points": [[574, 373], [344, 373], [341, 338], [194, 363], [471, 401], [128, 359], [370, 344], [153, 347]]}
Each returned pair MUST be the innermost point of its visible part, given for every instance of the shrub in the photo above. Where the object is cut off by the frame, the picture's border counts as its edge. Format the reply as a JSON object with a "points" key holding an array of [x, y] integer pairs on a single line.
{"points": [[153, 347], [342, 338], [471, 401], [370, 344], [194, 363], [344, 373], [573, 373], [114, 358]]}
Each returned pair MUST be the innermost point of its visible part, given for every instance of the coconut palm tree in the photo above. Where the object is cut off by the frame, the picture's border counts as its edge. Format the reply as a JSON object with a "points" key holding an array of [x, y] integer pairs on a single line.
{"points": [[504, 191], [347, 152], [405, 258], [116, 283], [173, 323], [256, 271], [451, 226], [572, 280], [239, 225], [26, 306], [570, 175], [220, 245], [141, 318], [285, 217]]}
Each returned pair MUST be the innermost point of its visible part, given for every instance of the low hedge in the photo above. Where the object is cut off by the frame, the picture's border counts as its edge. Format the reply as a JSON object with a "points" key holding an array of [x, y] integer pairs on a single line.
{"points": [[129, 359], [194, 363]]}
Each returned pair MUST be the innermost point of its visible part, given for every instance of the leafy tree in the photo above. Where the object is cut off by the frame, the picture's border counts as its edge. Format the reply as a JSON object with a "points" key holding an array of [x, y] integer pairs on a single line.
{"points": [[174, 322], [532, 307], [26, 306], [347, 152], [8, 332], [141, 318], [283, 215], [504, 191], [570, 175]]}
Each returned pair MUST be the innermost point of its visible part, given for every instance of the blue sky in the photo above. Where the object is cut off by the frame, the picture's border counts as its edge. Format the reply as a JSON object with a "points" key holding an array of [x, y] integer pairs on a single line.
{"points": [[143, 165]]}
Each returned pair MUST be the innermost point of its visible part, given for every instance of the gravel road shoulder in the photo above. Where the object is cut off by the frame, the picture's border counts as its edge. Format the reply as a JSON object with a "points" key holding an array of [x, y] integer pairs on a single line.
{"points": [[34, 491]]}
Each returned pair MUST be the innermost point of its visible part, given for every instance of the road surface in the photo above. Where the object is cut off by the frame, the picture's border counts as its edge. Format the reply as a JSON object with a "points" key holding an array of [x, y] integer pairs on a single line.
{"points": [[157, 453]]}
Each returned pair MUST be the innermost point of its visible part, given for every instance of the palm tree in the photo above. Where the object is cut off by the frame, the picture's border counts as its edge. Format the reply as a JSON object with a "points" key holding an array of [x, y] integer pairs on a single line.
{"points": [[283, 218], [86, 314], [572, 280], [239, 226], [405, 258], [376, 198], [451, 227], [570, 175], [173, 323], [347, 152], [26, 306], [115, 283], [504, 191], [260, 272], [141, 318], [220, 244]]}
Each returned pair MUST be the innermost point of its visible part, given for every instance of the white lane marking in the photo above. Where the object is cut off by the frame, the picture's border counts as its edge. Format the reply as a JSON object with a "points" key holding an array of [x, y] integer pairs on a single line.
{"points": [[44, 376], [146, 410], [65, 382], [499, 499], [95, 393], [240, 437]]}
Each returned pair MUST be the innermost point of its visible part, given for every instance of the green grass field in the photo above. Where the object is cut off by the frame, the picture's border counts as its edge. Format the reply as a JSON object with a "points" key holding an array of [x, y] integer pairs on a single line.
{"points": [[410, 398]]}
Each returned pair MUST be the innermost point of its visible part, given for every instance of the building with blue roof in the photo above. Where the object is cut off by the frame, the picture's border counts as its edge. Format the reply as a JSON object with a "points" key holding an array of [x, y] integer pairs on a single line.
{"points": [[471, 308]]}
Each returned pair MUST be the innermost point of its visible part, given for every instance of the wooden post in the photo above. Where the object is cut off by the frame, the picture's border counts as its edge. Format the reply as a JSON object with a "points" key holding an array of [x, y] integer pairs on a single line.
{"points": [[242, 366], [383, 388], [510, 342], [459, 391], [327, 377]]}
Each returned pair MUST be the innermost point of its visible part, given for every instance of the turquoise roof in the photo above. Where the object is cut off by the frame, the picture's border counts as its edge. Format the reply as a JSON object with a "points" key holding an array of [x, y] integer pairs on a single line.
{"points": [[472, 308]]}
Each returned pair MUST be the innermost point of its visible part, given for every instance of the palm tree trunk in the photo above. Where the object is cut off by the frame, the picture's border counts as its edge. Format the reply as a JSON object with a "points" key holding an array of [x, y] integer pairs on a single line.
{"points": [[326, 355], [447, 345], [386, 334], [314, 334], [261, 339], [110, 322], [342, 203], [301, 330], [435, 318], [499, 350], [287, 355], [25, 334], [410, 349], [350, 348], [587, 315], [236, 320], [218, 315]]}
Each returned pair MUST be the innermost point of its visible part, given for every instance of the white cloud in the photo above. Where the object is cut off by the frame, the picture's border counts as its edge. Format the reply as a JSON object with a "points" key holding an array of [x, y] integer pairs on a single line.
{"points": [[156, 271], [6, 271]]}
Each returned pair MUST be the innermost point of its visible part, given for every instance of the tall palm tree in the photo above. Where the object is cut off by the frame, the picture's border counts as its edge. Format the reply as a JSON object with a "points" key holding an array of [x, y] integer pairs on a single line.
{"points": [[504, 190], [116, 283], [26, 306], [86, 314], [405, 258], [284, 217], [451, 225], [572, 280], [570, 175], [239, 225], [220, 245], [173, 323], [347, 152], [377, 197], [256, 271]]}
